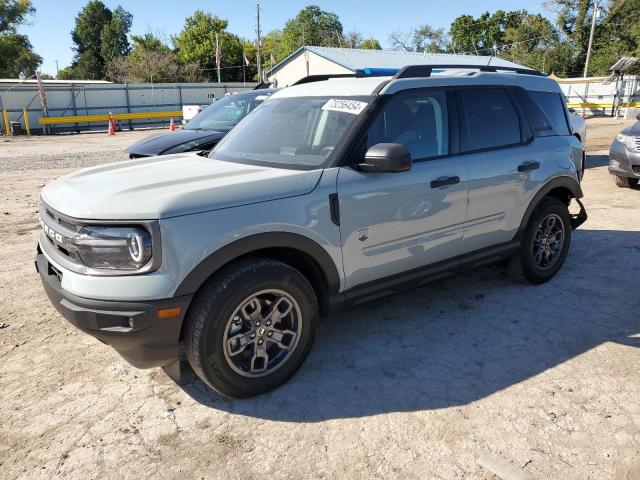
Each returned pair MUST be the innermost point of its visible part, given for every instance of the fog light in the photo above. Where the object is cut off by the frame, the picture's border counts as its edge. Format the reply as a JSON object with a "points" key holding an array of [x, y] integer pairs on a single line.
{"points": [[614, 164]]}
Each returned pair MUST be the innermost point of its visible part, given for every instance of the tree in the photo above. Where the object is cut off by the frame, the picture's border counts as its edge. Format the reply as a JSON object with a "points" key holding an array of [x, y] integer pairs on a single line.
{"points": [[312, 26], [16, 52], [535, 43], [617, 35], [113, 37], [423, 39], [196, 43], [151, 61], [370, 44], [99, 36], [14, 13]]}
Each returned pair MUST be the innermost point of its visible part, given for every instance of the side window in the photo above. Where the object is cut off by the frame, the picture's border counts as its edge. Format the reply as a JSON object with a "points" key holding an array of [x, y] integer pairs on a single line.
{"points": [[538, 121], [419, 121], [489, 119], [552, 105]]}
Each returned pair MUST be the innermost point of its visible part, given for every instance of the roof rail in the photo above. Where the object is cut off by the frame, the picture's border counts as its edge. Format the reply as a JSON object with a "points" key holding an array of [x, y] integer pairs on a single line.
{"points": [[415, 71], [319, 78]]}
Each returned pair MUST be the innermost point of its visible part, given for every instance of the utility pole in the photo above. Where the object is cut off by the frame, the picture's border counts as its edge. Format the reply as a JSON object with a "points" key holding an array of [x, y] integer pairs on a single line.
{"points": [[218, 55], [57, 69], [259, 44], [593, 28]]}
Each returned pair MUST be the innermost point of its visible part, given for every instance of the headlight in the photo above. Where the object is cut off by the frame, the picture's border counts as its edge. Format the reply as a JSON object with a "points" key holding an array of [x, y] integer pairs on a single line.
{"points": [[627, 140], [114, 248]]}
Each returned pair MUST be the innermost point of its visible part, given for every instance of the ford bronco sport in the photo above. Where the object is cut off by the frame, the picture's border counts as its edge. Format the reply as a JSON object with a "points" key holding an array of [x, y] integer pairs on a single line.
{"points": [[330, 193]]}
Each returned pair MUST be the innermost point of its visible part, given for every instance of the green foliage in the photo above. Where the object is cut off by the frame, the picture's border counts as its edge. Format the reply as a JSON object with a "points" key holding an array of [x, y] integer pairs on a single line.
{"points": [[151, 61], [17, 56], [370, 44], [14, 13], [99, 36], [16, 53], [196, 43], [312, 26], [113, 37], [617, 35]]}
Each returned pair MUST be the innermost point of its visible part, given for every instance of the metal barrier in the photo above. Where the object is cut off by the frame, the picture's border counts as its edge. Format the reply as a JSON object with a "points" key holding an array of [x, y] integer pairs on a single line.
{"points": [[82, 106], [105, 118]]}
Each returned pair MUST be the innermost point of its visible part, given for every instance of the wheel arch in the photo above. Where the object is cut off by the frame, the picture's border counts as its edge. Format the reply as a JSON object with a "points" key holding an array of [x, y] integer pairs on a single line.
{"points": [[563, 188], [296, 250]]}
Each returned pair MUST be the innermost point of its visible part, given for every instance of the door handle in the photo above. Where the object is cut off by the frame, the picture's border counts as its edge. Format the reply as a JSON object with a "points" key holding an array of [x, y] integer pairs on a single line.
{"points": [[444, 181], [527, 166]]}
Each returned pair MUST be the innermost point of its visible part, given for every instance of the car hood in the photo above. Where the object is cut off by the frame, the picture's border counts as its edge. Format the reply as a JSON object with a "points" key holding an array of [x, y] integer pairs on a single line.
{"points": [[169, 186], [160, 143], [633, 130]]}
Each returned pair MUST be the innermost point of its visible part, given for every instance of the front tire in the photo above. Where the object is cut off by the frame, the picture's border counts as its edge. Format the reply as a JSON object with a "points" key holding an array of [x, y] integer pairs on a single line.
{"points": [[251, 326], [545, 243], [626, 182]]}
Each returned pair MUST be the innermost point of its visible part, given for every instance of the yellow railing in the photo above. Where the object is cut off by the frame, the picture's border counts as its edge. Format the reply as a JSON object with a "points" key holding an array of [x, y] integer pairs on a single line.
{"points": [[105, 118]]}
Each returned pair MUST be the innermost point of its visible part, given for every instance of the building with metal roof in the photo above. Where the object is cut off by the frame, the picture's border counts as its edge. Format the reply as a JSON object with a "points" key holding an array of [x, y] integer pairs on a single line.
{"points": [[308, 60]]}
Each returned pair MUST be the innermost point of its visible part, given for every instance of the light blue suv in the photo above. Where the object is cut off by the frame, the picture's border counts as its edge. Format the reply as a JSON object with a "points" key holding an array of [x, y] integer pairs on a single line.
{"points": [[329, 194]]}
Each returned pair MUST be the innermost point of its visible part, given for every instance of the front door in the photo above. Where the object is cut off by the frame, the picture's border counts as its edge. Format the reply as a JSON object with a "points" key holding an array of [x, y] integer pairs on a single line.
{"points": [[394, 222]]}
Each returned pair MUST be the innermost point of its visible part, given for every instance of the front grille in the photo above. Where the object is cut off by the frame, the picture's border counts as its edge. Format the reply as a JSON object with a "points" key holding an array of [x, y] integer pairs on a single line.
{"points": [[636, 169], [60, 220], [636, 141], [67, 229]]}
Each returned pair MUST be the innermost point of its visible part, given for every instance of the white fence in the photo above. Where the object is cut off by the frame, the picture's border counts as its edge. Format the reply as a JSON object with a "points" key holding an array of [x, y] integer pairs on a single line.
{"points": [[73, 99], [594, 96]]}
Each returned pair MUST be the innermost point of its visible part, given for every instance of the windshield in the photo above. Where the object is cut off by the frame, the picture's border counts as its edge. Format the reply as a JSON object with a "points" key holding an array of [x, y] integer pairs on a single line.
{"points": [[225, 113], [298, 132]]}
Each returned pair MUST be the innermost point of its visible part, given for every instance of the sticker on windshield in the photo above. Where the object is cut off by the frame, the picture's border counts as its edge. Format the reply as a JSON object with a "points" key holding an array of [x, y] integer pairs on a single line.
{"points": [[346, 106]]}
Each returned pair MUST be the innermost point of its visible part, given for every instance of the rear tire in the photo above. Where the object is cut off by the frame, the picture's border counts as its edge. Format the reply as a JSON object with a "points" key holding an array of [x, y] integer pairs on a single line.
{"points": [[251, 326], [626, 182], [545, 243]]}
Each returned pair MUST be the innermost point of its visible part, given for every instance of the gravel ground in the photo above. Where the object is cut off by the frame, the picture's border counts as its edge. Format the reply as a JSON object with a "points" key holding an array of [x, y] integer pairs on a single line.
{"points": [[66, 151], [417, 386]]}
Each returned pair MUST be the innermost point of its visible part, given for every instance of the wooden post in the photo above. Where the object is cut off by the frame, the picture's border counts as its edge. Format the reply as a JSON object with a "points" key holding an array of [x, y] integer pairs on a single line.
{"points": [[7, 128], [25, 114], [43, 100]]}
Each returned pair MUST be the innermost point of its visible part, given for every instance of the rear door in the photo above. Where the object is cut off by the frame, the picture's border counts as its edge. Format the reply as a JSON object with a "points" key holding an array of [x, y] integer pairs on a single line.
{"points": [[494, 141], [394, 222]]}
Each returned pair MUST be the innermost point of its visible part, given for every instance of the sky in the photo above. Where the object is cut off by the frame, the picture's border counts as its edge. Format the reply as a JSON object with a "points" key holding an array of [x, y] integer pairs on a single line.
{"points": [[49, 29]]}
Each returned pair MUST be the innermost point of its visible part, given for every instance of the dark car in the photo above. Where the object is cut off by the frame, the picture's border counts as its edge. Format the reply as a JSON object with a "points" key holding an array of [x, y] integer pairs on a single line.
{"points": [[205, 129]]}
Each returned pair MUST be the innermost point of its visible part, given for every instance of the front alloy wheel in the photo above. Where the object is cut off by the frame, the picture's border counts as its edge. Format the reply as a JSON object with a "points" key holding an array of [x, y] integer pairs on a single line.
{"points": [[262, 333], [251, 326]]}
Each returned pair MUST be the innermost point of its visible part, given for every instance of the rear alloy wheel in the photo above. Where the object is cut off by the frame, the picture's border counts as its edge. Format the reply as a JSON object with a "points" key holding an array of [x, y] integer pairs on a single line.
{"points": [[545, 243], [251, 326], [626, 182]]}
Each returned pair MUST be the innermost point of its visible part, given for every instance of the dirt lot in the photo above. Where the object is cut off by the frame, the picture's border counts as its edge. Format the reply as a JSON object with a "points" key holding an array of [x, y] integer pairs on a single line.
{"points": [[419, 386]]}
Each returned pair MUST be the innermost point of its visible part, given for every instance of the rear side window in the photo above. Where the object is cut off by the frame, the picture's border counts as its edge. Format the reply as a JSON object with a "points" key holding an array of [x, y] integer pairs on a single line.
{"points": [[489, 119], [553, 107]]}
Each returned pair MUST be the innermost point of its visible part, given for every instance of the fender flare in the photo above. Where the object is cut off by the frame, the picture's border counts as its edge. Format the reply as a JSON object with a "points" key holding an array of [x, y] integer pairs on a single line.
{"points": [[569, 183], [218, 259]]}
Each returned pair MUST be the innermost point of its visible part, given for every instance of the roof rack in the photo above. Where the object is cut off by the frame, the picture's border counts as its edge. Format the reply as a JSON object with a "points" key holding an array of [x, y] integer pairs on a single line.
{"points": [[319, 78], [415, 71]]}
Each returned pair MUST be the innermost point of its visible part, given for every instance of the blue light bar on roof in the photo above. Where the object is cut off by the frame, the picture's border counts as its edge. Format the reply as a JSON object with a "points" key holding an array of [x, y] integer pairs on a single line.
{"points": [[376, 72]]}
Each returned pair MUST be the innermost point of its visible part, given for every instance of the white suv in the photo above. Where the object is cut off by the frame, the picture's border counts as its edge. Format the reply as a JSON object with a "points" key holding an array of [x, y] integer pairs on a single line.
{"points": [[329, 194]]}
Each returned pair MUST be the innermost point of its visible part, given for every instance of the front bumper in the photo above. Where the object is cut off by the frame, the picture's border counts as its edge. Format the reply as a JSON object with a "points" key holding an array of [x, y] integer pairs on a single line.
{"points": [[623, 162], [133, 329]]}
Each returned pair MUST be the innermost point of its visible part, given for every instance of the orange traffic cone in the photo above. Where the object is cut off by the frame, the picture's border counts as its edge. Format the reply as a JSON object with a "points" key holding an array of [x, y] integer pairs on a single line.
{"points": [[172, 125], [112, 125]]}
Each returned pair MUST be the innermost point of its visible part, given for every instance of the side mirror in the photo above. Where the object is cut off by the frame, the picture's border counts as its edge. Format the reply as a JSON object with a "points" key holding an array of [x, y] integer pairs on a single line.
{"points": [[386, 158], [638, 116]]}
